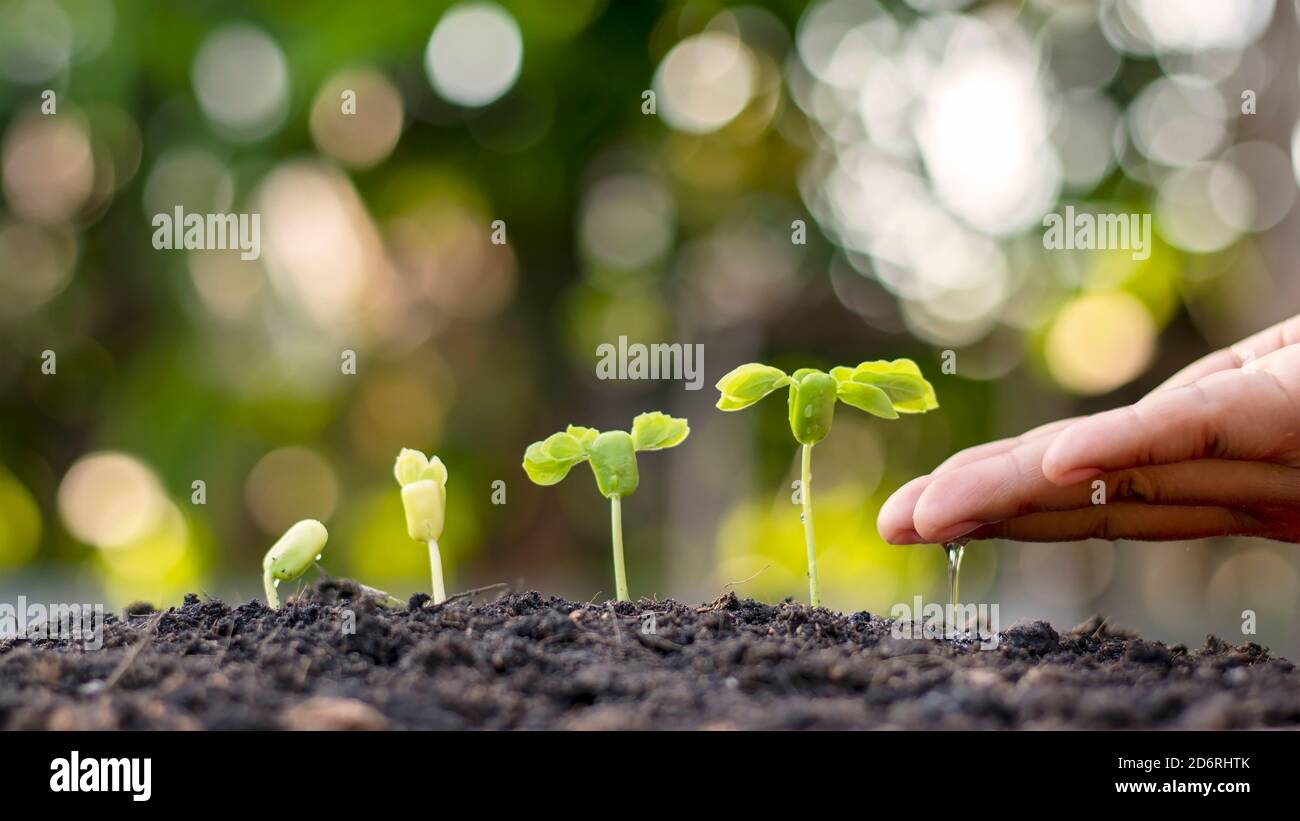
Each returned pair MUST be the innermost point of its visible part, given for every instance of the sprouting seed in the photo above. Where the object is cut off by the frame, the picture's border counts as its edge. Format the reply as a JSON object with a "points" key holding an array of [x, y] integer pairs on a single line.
{"points": [[290, 557], [881, 388], [612, 455], [424, 500]]}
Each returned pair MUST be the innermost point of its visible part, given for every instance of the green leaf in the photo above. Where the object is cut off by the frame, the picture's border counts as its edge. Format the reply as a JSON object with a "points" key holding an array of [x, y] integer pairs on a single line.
{"points": [[865, 397], [548, 461], [613, 460], [812, 405], [564, 447], [842, 373], [747, 384], [887, 366], [656, 431], [901, 381], [584, 435]]}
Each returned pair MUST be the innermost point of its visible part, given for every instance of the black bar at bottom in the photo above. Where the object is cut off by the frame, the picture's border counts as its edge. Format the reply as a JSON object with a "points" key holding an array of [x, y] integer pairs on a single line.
{"points": [[240, 771]]}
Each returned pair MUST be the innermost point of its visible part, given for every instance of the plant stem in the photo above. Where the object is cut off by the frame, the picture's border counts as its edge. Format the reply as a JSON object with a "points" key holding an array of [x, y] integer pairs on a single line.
{"points": [[616, 530], [272, 597], [435, 566], [805, 485]]}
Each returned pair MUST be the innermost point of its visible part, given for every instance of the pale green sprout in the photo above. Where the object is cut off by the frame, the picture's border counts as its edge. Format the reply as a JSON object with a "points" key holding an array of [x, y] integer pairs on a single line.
{"points": [[881, 388], [612, 455], [424, 499], [298, 549]]}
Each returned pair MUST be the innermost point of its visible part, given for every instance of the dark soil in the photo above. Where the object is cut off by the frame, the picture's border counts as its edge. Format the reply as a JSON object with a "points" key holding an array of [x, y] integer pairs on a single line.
{"points": [[528, 662]]}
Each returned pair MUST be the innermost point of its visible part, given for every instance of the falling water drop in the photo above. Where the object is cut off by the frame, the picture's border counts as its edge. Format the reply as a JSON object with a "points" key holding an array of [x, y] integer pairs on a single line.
{"points": [[954, 550]]}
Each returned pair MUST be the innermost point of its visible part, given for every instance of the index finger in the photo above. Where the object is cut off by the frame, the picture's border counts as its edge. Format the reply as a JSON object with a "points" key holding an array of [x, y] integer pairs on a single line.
{"points": [[1230, 415], [1247, 350]]}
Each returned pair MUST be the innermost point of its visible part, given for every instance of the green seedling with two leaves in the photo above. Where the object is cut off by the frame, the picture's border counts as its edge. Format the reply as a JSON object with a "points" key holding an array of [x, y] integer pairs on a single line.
{"points": [[881, 388], [612, 455]]}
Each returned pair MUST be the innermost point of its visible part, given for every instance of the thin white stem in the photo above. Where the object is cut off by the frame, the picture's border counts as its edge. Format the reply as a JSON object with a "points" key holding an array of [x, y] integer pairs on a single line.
{"points": [[269, 584], [616, 529], [814, 590], [435, 567]]}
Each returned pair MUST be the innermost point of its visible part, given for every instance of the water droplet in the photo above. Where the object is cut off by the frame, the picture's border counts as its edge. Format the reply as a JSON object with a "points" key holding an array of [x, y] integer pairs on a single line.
{"points": [[318, 557], [801, 518], [276, 583], [955, 551]]}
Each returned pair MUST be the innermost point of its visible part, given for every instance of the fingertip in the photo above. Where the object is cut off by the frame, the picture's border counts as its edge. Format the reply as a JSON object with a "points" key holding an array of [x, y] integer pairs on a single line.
{"points": [[933, 513], [1064, 461], [895, 518], [902, 538], [958, 502], [1073, 477]]}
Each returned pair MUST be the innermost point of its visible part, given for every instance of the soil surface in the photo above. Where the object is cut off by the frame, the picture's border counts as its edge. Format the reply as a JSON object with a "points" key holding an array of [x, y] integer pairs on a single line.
{"points": [[525, 661]]}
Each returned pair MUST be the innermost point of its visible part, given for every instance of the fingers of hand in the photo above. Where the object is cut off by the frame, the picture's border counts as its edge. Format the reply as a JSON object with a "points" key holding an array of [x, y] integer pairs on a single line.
{"points": [[974, 454], [1125, 520], [1231, 414], [1249, 350], [895, 518], [1007, 487]]}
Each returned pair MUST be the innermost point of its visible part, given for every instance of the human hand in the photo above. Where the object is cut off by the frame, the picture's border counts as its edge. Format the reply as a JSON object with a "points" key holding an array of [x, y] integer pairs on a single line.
{"points": [[1213, 451]]}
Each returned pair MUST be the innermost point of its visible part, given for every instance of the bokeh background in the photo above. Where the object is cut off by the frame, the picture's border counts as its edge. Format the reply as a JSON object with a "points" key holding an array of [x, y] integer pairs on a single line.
{"points": [[920, 143]]}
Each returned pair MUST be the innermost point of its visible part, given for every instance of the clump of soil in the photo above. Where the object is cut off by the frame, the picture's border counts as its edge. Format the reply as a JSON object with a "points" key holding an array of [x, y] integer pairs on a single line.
{"points": [[334, 659]]}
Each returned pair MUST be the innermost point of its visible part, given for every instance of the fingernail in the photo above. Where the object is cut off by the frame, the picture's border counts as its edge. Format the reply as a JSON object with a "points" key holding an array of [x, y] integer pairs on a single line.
{"points": [[951, 532], [1077, 475]]}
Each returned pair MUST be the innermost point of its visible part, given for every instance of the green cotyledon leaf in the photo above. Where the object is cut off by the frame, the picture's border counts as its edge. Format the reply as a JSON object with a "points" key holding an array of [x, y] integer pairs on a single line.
{"points": [[745, 385], [866, 397], [656, 431], [435, 470], [296, 550], [812, 405], [902, 382], [548, 461], [410, 464], [585, 436], [613, 460]]}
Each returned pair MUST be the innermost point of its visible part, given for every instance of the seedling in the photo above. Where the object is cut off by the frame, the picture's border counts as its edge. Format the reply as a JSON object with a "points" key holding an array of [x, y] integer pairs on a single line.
{"points": [[424, 498], [884, 389], [298, 549], [613, 460]]}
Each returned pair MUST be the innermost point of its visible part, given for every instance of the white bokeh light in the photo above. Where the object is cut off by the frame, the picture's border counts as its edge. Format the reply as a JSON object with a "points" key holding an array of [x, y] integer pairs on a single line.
{"points": [[704, 82], [1192, 202], [1178, 123], [110, 499], [983, 131], [627, 221], [242, 82], [475, 54], [1265, 168], [1203, 25]]}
